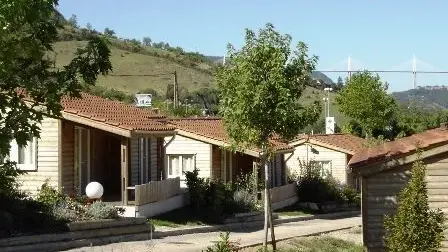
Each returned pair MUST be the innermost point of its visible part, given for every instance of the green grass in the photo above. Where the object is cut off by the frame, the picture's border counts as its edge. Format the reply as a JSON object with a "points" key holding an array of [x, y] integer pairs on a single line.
{"points": [[177, 218], [314, 244], [125, 62], [192, 78], [294, 210]]}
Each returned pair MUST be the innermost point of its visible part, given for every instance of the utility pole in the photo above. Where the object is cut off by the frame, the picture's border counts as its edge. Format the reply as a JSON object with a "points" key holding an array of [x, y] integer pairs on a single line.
{"points": [[176, 91]]}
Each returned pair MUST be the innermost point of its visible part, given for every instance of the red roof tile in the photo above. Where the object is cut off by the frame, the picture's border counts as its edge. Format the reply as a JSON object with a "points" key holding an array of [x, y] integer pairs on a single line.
{"points": [[347, 142], [213, 128], [115, 113], [400, 147]]}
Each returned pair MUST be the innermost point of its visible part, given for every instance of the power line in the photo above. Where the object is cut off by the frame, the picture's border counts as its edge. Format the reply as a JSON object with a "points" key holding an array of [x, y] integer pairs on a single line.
{"points": [[382, 71], [143, 75]]}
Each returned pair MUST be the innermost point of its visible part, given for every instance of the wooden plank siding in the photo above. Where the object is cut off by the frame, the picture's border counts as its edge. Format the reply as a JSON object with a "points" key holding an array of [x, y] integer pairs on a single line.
{"points": [[379, 197], [47, 159], [183, 145], [68, 161], [156, 191], [304, 153]]}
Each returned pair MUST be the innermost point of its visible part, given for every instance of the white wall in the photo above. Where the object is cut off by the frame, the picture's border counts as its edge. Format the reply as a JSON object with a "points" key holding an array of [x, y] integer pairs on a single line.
{"points": [[47, 159], [304, 153], [184, 145]]}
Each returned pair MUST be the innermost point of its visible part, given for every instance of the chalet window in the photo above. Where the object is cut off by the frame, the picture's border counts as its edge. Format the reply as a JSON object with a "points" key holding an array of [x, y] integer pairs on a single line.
{"points": [[324, 167], [178, 164], [24, 156]]}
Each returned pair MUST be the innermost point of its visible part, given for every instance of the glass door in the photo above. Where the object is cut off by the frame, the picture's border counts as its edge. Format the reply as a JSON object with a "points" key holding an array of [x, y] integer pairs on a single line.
{"points": [[82, 159]]}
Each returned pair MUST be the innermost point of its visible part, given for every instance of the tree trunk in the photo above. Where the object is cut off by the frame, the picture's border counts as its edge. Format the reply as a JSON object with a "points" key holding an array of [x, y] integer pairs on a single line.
{"points": [[271, 222], [266, 198], [267, 205]]}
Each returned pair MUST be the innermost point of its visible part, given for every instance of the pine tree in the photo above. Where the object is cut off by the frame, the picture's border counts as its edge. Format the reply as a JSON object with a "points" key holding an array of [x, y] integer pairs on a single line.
{"points": [[414, 227]]}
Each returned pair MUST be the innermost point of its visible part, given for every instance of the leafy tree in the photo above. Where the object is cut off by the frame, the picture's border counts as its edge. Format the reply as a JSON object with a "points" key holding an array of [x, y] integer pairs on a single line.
{"points": [[364, 99], [89, 26], [414, 227], [147, 41], [260, 86], [109, 32], [28, 31], [339, 83], [73, 21]]}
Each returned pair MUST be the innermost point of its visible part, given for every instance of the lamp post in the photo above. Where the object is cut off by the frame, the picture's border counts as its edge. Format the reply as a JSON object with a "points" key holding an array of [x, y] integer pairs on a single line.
{"points": [[328, 90], [94, 190]]}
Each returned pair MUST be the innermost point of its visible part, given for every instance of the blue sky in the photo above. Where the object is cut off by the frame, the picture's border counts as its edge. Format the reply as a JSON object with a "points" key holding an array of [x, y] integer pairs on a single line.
{"points": [[382, 35]]}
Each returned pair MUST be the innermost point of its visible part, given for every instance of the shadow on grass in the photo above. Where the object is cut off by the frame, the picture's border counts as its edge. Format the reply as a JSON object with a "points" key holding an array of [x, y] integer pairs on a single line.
{"points": [[185, 216], [314, 244], [296, 210]]}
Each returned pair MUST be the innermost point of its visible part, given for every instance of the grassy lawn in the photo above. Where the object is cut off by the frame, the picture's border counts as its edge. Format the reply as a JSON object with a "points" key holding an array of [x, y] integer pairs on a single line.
{"points": [[177, 218], [294, 211], [314, 244]]}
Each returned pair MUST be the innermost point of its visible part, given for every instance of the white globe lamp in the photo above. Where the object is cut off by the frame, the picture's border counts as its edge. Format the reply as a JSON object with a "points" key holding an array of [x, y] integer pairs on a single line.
{"points": [[94, 190]]}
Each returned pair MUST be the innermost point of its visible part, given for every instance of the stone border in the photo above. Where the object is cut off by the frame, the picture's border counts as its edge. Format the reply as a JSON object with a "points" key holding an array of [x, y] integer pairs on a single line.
{"points": [[136, 232], [253, 224]]}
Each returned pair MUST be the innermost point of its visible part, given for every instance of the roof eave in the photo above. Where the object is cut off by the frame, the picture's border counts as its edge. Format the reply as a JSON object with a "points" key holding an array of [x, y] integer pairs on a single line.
{"points": [[95, 124], [367, 168]]}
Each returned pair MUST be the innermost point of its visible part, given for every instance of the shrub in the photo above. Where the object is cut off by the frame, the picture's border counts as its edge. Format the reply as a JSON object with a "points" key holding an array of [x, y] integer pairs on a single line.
{"points": [[224, 245], [312, 187], [245, 200], [99, 210], [214, 200], [414, 227], [48, 195]]}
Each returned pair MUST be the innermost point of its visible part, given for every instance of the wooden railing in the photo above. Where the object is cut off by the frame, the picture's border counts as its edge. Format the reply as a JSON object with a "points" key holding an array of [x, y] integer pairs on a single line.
{"points": [[156, 191], [282, 193]]}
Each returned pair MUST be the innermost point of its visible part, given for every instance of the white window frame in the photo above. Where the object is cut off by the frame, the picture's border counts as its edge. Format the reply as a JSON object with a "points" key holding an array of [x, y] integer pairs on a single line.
{"points": [[180, 157], [317, 162], [14, 155]]}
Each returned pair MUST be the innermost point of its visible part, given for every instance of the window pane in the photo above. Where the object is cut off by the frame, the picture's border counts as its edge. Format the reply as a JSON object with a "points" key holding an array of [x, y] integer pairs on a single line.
{"points": [[26, 154], [187, 163], [173, 165]]}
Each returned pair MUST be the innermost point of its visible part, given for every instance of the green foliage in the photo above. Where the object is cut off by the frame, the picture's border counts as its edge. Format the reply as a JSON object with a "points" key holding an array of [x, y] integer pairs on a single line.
{"points": [[99, 210], [215, 200], [364, 99], [64, 208], [224, 244], [48, 195], [28, 31], [260, 87], [313, 187], [414, 227]]}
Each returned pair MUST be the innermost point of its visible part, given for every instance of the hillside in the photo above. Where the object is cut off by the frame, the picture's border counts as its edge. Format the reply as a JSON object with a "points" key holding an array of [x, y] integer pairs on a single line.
{"points": [[424, 97], [158, 69]]}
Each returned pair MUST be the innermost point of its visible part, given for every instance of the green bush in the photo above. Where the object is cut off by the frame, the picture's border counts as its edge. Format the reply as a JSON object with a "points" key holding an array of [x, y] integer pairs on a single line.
{"points": [[215, 200], [414, 227], [99, 210], [48, 195], [312, 187]]}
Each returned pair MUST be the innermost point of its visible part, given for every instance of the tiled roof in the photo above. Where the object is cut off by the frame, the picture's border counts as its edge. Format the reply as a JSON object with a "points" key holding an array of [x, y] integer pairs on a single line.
{"points": [[115, 113], [347, 142], [401, 147], [213, 128]]}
